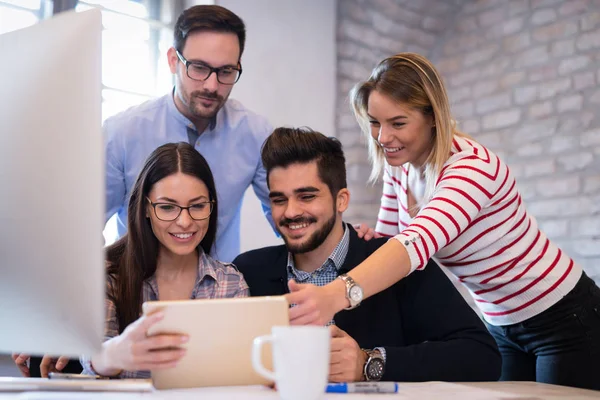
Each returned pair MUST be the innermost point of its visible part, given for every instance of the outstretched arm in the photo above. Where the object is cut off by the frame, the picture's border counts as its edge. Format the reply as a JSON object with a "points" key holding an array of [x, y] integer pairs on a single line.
{"points": [[463, 190], [317, 305]]}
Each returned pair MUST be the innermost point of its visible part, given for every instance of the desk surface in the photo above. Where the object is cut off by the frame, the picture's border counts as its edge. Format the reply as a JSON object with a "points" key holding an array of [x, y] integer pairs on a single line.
{"points": [[417, 391]]}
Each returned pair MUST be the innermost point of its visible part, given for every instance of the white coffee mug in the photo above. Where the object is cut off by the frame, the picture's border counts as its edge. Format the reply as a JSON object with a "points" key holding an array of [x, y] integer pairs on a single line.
{"points": [[300, 360]]}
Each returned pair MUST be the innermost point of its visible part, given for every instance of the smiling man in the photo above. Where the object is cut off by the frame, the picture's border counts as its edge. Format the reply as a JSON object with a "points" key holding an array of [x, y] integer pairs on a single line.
{"points": [[206, 62], [420, 329]]}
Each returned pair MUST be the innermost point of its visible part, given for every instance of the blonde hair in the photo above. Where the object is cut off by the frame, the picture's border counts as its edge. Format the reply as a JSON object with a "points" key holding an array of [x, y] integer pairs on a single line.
{"points": [[410, 79]]}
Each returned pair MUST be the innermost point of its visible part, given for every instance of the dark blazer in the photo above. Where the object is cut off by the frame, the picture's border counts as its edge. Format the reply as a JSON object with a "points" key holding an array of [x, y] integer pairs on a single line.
{"points": [[427, 329]]}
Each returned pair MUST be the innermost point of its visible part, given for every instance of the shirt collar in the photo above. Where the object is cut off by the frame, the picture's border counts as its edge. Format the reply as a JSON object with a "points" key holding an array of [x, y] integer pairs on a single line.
{"points": [[183, 119], [337, 256], [205, 268]]}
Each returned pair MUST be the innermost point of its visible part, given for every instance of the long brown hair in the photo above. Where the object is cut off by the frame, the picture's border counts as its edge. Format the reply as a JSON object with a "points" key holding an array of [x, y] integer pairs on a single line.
{"points": [[410, 79], [132, 259]]}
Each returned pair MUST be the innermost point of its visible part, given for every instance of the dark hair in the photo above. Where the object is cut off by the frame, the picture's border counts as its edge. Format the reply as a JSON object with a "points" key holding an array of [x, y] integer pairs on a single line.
{"points": [[208, 19], [132, 259], [287, 146]]}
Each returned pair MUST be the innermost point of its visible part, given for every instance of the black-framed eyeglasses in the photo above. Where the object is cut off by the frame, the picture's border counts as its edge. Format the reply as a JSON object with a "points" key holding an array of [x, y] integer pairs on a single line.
{"points": [[200, 72], [170, 211]]}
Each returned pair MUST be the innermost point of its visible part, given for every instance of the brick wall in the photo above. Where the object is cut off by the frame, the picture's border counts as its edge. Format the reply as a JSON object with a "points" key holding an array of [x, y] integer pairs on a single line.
{"points": [[522, 77]]}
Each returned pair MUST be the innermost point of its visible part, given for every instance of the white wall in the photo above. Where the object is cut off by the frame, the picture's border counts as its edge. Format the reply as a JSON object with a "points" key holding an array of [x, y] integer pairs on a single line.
{"points": [[289, 76]]}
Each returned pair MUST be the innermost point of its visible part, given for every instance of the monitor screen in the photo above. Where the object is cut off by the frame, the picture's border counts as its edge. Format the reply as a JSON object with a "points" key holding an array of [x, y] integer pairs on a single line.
{"points": [[51, 187]]}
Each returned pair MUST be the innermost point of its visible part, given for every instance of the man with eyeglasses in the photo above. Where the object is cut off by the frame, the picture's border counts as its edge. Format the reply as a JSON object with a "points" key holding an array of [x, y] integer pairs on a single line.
{"points": [[206, 62]]}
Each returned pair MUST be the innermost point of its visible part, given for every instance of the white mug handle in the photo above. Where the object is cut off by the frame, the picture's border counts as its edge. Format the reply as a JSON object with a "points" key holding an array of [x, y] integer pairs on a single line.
{"points": [[256, 357]]}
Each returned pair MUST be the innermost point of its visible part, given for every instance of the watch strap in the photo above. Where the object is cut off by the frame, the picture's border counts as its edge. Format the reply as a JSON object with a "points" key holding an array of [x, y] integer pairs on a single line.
{"points": [[349, 282], [372, 355]]}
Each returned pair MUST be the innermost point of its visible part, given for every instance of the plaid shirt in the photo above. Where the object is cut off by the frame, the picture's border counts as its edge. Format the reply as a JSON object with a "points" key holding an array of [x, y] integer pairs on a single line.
{"points": [[326, 272], [215, 280]]}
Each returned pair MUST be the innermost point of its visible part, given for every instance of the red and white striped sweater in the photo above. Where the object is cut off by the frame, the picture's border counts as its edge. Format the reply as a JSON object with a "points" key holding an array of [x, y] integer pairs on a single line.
{"points": [[476, 225]]}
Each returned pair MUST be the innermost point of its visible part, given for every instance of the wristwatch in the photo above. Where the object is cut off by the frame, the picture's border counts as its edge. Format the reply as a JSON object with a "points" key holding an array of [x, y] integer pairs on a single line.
{"points": [[375, 365], [354, 292]]}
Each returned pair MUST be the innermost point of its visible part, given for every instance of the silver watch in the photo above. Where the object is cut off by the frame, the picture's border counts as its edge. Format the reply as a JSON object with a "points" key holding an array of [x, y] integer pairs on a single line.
{"points": [[354, 292], [375, 365]]}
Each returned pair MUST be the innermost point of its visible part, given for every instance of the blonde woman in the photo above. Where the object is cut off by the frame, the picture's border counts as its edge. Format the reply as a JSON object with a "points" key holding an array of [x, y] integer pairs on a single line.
{"points": [[447, 196]]}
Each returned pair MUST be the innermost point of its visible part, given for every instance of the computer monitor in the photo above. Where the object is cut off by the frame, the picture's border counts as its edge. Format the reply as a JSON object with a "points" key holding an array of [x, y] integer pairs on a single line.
{"points": [[52, 187]]}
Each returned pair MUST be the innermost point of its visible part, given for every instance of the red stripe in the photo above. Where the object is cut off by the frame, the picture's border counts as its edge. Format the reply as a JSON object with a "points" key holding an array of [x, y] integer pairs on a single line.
{"points": [[389, 209], [485, 150], [486, 216], [517, 260], [403, 207], [455, 143], [499, 252], [469, 141], [516, 277], [470, 167], [440, 227], [431, 237], [463, 277], [509, 192], [447, 215], [531, 284], [404, 224], [421, 261], [437, 182], [513, 260], [475, 156], [452, 202], [476, 153], [388, 183], [406, 231], [383, 234], [471, 181], [386, 222], [398, 183], [390, 196], [480, 171], [482, 234], [466, 196], [530, 302], [458, 263]]}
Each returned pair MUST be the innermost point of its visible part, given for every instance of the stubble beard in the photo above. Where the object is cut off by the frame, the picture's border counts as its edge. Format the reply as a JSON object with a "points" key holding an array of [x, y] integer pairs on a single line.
{"points": [[199, 111], [315, 240]]}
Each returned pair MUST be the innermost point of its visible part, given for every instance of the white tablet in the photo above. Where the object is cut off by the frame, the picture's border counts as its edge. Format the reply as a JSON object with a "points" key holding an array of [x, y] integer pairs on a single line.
{"points": [[221, 333]]}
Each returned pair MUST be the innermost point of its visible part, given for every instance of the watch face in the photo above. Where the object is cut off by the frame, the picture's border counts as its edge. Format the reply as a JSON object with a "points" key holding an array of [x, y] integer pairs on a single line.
{"points": [[375, 369], [356, 294]]}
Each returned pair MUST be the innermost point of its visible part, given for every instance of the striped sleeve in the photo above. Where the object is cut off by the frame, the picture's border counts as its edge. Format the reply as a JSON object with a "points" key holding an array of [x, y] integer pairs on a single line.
{"points": [[463, 189], [387, 219]]}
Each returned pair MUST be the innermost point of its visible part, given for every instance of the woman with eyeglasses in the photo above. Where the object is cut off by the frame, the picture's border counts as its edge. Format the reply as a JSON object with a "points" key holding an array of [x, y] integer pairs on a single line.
{"points": [[172, 222]]}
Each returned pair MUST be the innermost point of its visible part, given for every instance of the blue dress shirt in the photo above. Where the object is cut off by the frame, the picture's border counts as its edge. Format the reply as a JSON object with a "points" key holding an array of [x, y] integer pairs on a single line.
{"points": [[231, 147]]}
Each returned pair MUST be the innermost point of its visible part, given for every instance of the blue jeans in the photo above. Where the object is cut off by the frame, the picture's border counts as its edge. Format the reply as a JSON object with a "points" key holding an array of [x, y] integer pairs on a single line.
{"points": [[560, 345]]}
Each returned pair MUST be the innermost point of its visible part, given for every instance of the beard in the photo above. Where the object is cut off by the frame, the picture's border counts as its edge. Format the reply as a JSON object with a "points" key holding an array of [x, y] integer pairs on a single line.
{"points": [[198, 110], [314, 240]]}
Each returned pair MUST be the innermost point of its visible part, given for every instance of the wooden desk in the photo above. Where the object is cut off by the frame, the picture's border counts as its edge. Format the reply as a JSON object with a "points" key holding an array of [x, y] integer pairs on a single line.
{"points": [[416, 391]]}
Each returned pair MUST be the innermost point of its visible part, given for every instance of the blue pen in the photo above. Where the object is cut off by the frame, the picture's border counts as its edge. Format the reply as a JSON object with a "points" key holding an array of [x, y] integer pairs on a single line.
{"points": [[363, 387]]}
